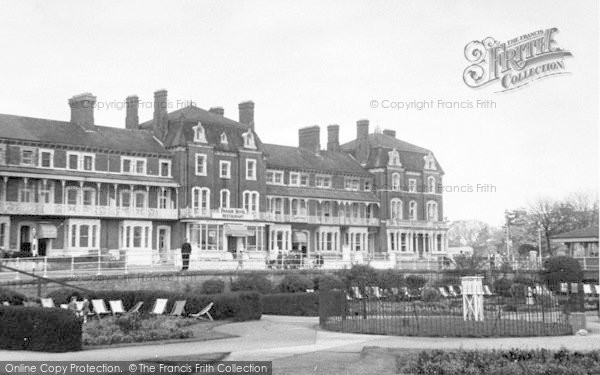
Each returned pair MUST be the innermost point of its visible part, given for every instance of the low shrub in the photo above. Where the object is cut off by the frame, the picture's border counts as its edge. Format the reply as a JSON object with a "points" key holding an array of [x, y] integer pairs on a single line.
{"points": [[12, 297], [39, 329], [63, 295], [328, 282], [115, 330], [415, 282], [297, 304], [502, 362], [559, 269], [240, 306], [361, 276], [502, 287], [295, 284], [431, 295], [252, 282], [388, 279], [212, 286]]}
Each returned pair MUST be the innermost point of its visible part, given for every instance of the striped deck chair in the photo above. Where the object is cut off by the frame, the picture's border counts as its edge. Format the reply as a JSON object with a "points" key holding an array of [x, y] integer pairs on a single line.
{"points": [[443, 292], [178, 308], [597, 287], [204, 311], [587, 290], [538, 290], [395, 291], [136, 308], [47, 302], [487, 291], [356, 293], [99, 308], [116, 307], [451, 291], [160, 306], [564, 288], [374, 291]]}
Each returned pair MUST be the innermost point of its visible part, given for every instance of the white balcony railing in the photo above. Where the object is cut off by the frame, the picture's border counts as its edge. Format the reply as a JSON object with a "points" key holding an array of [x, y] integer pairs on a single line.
{"points": [[28, 208], [326, 220], [417, 224]]}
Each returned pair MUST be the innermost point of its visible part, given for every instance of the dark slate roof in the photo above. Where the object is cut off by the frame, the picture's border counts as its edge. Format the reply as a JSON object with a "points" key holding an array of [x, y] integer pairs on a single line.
{"points": [[411, 156], [589, 232], [182, 121], [66, 133], [298, 158], [333, 194]]}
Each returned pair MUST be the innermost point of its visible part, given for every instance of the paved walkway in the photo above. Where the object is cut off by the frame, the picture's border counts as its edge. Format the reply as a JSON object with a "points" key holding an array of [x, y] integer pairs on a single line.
{"points": [[277, 337]]}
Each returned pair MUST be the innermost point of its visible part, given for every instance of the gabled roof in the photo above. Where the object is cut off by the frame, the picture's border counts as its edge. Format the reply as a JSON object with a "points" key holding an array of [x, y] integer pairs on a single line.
{"points": [[333, 194], [299, 158], [182, 122], [411, 157], [589, 232], [66, 133]]}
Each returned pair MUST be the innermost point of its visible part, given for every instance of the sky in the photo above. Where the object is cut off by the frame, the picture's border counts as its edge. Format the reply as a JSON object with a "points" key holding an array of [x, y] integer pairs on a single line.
{"points": [[319, 63]]}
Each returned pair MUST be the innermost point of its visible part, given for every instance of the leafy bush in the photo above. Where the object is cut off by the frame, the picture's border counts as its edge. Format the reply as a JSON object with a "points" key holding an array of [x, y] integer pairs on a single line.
{"points": [[240, 306], [252, 282], [114, 330], [503, 362], [12, 297], [297, 304], [390, 278], [63, 295], [502, 287], [431, 295], [39, 329], [295, 284], [328, 282], [361, 276], [561, 268], [415, 282], [212, 286]]}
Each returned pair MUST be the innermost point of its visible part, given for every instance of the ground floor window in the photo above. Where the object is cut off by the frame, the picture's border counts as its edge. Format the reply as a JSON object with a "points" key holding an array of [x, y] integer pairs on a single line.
{"points": [[357, 239], [206, 236], [256, 241], [135, 234], [280, 237], [83, 233], [4, 225], [327, 239]]}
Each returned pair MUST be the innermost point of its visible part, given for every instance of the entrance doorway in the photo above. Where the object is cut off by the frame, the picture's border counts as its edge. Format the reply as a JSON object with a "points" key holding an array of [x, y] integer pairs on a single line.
{"points": [[44, 244], [25, 239], [164, 243], [231, 245]]}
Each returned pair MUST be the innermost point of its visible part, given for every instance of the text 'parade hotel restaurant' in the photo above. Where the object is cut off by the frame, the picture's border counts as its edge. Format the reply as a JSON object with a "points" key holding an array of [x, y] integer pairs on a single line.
{"points": [[71, 188]]}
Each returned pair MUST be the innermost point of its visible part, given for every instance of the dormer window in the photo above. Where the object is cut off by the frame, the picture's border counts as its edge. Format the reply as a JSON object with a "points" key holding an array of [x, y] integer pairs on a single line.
{"points": [[249, 139], [224, 138], [394, 158], [199, 133], [430, 162]]}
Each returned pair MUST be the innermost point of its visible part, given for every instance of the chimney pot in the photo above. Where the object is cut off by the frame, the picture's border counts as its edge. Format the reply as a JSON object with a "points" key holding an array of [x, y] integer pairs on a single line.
{"points": [[246, 110], [390, 132], [160, 114], [333, 138], [362, 135], [82, 110], [217, 111], [309, 138], [132, 120]]}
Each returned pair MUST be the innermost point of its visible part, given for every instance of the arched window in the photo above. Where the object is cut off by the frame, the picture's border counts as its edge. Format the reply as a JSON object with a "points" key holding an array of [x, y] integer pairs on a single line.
{"points": [[396, 209], [432, 211], [412, 213], [396, 181], [394, 158], [201, 198], [250, 201], [225, 201], [429, 161], [249, 139], [431, 184], [199, 133], [223, 138]]}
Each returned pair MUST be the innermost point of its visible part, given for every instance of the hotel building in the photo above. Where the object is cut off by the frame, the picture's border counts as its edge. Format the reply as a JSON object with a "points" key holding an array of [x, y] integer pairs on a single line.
{"points": [[76, 188]]}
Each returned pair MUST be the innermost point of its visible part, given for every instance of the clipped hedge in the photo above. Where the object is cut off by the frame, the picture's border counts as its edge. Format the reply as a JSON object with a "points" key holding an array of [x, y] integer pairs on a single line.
{"points": [[252, 282], [236, 306], [39, 329], [296, 304], [212, 286], [12, 297], [295, 284]]}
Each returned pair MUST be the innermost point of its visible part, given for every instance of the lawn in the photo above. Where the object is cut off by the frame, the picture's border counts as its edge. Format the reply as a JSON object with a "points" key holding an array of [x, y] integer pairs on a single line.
{"points": [[135, 329], [447, 326]]}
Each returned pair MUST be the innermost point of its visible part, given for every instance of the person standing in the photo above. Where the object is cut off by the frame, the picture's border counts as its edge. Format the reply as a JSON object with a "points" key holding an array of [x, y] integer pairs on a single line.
{"points": [[186, 249]]}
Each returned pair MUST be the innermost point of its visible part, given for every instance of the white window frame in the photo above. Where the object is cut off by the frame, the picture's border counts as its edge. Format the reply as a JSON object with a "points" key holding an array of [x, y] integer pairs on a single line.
{"points": [[43, 189], [81, 161], [412, 185], [78, 195], [295, 175], [223, 163], [432, 205], [160, 164], [2, 154], [224, 138], [134, 199], [94, 192], [131, 202], [32, 160], [249, 140], [93, 234], [252, 176], [352, 184], [323, 177], [199, 133], [251, 201], [430, 185], [163, 194], [396, 209], [46, 151], [274, 174], [394, 158], [133, 166], [198, 195], [413, 210], [225, 203], [204, 164]]}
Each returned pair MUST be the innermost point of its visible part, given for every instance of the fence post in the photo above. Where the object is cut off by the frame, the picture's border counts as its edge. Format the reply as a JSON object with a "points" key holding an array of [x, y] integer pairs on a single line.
{"points": [[46, 266], [72, 266], [17, 277], [99, 263]]}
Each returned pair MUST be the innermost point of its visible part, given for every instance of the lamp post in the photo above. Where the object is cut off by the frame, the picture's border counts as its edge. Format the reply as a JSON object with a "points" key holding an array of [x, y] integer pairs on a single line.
{"points": [[540, 244]]}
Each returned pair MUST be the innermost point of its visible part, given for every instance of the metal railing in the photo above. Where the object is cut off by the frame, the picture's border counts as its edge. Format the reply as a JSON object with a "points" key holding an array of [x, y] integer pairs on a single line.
{"points": [[33, 208]]}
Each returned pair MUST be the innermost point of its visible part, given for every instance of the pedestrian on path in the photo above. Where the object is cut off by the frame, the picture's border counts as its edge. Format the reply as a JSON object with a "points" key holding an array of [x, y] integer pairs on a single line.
{"points": [[186, 249]]}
